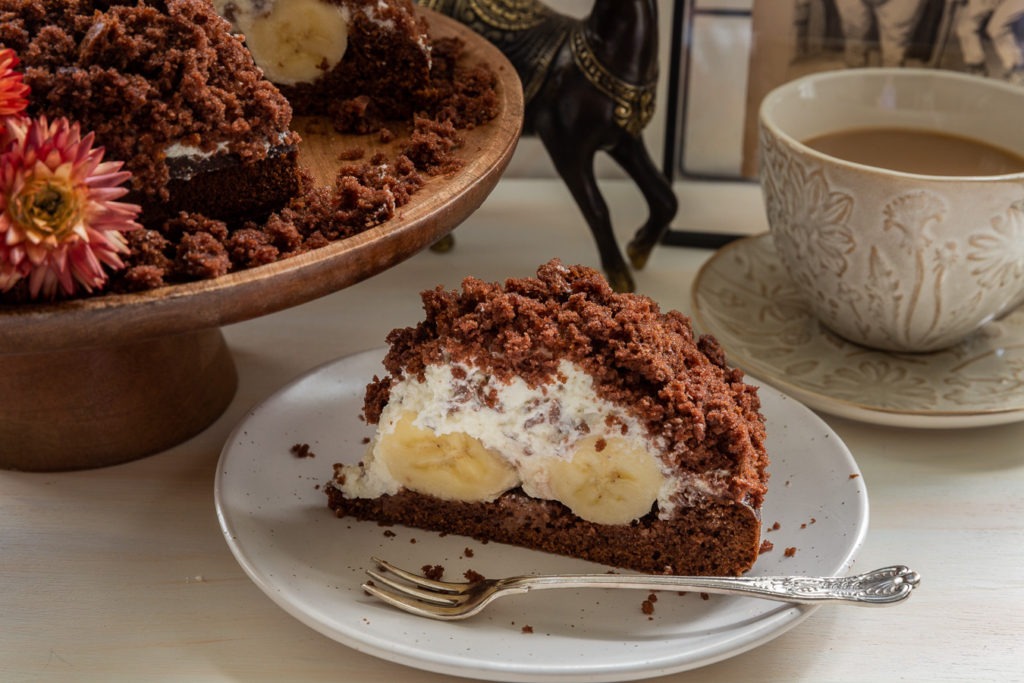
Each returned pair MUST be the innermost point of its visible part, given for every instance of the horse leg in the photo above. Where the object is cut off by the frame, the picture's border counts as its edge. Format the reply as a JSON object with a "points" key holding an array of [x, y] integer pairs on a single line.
{"points": [[575, 163], [662, 204], [443, 245]]}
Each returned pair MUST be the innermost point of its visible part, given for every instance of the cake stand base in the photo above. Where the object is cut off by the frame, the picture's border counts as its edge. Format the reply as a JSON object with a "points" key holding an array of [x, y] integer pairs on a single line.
{"points": [[92, 407]]}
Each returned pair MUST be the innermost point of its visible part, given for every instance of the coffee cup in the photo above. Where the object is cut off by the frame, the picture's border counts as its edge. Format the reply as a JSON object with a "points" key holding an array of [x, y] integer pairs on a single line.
{"points": [[883, 206]]}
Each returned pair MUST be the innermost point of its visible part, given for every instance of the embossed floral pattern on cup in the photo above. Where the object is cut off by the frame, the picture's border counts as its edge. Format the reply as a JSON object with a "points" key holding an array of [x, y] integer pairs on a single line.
{"points": [[920, 280]]}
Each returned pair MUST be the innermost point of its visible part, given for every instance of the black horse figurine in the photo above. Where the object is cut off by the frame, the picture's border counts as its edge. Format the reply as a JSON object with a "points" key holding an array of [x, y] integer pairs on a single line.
{"points": [[589, 86]]}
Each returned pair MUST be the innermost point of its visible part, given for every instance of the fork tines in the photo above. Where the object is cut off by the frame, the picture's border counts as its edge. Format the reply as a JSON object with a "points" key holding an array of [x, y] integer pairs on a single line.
{"points": [[411, 585]]}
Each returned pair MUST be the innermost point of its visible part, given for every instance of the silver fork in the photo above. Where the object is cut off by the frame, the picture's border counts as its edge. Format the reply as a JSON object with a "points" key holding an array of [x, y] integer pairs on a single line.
{"points": [[458, 600]]}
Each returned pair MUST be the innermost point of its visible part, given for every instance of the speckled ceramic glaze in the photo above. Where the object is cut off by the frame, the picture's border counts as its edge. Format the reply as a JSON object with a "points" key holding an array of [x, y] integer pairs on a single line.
{"points": [[893, 260]]}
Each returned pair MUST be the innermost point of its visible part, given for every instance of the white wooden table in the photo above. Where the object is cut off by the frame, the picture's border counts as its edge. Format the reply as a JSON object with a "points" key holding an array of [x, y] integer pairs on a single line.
{"points": [[122, 574]]}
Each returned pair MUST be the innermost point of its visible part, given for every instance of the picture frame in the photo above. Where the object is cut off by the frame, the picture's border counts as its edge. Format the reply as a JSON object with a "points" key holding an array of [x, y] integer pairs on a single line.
{"points": [[726, 55], [707, 74]]}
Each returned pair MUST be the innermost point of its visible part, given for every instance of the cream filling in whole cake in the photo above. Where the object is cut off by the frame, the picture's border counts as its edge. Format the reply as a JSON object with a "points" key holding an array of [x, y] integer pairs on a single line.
{"points": [[461, 434], [178, 151]]}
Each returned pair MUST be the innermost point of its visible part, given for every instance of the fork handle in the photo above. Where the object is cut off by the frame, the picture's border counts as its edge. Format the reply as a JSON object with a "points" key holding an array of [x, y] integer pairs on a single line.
{"points": [[885, 586]]}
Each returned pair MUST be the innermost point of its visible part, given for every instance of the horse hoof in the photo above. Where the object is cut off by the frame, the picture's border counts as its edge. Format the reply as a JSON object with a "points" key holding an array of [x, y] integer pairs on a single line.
{"points": [[621, 281], [638, 254], [443, 245]]}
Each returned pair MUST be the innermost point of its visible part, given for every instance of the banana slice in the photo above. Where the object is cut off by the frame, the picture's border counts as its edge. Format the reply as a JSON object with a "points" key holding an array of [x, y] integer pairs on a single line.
{"points": [[293, 41], [615, 485], [452, 466]]}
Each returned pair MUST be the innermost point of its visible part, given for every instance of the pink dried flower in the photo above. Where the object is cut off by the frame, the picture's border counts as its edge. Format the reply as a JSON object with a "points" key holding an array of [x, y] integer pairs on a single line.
{"points": [[13, 93], [59, 223]]}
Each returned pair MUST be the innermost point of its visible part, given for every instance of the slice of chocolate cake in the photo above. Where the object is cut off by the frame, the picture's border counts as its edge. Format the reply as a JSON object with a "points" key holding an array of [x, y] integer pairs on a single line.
{"points": [[167, 89], [555, 414], [361, 62]]}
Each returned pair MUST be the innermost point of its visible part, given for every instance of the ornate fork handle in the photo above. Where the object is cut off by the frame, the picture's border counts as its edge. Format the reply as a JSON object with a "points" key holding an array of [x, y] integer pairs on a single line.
{"points": [[879, 587]]}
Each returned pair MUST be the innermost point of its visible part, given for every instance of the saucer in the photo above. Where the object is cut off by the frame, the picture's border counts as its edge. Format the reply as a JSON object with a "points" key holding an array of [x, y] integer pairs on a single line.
{"points": [[745, 298]]}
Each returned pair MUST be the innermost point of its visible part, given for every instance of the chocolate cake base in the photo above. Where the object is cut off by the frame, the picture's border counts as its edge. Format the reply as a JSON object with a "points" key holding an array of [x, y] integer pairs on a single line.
{"points": [[714, 539], [225, 188]]}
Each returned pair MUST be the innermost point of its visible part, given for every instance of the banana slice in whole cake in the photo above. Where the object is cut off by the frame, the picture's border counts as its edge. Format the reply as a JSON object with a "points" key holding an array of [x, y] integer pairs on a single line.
{"points": [[293, 41]]}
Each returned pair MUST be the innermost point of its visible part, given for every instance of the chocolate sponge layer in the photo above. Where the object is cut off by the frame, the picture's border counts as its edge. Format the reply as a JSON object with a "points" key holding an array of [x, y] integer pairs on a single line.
{"points": [[712, 538]]}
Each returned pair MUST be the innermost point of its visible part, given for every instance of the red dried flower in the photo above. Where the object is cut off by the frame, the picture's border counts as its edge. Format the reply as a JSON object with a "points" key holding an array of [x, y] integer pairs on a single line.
{"points": [[59, 221]]}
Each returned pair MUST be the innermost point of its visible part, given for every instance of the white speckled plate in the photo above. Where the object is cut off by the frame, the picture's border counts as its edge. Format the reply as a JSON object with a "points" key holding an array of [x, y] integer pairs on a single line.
{"points": [[745, 298], [275, 519]]}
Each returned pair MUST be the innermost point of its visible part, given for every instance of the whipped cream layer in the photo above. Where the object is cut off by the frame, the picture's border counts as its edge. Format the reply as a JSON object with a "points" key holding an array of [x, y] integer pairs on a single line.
{"points": [[558, 441]]}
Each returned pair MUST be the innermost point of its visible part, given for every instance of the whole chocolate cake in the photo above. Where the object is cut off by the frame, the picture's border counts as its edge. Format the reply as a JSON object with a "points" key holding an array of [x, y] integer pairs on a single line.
{"points": [[197, 110], [555, 414]]}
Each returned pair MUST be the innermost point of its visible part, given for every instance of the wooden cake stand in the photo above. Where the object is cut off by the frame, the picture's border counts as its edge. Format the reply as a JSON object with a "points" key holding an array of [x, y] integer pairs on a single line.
{"points": [[93, 382]]}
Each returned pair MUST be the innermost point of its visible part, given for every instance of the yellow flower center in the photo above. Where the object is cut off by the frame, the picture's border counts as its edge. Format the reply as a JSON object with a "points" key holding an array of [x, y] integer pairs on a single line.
{"points": [[46, 209]]}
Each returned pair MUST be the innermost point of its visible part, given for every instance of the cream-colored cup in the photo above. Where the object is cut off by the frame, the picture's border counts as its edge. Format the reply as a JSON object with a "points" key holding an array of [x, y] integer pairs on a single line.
{"points": [[893, 260]]}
